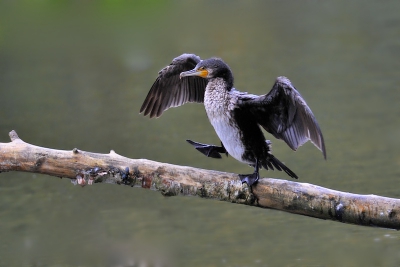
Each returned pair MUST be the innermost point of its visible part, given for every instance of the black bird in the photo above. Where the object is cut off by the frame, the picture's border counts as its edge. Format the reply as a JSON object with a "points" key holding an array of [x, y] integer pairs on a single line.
{"points": [[236, 116]]}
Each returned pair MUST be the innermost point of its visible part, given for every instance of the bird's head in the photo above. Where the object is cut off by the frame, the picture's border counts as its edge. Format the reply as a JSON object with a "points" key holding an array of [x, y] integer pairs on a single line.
{"points": [[210, 69]]}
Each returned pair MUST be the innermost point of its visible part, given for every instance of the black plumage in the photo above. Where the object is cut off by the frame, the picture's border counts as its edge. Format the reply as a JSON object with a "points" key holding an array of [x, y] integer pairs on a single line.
{"points": [[236, 116]]}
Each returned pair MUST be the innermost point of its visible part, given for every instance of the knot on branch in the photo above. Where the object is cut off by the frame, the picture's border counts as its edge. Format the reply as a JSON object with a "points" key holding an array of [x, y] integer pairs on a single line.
{"points": [[14, 136]]}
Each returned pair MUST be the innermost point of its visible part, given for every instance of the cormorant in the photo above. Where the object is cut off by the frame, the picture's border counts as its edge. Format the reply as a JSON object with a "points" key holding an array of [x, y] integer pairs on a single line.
{"points": [[236, 116]]}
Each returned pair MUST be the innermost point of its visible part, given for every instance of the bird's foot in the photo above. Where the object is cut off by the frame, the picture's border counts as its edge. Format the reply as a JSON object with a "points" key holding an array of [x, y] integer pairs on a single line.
{"points": [[249, 179], [209, 150]]}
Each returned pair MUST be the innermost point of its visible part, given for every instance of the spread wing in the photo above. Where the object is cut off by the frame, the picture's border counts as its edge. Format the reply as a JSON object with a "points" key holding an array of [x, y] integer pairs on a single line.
{"points": [[285, 114], [170, 91]]}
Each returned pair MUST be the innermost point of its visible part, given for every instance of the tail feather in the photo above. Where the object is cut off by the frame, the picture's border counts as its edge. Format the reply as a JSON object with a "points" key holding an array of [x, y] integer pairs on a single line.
{"points": [[278, 165], [269, 164]]}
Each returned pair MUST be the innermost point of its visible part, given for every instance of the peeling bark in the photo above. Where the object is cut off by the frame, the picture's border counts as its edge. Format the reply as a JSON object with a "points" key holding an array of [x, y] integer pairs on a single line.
{"points": [[171, 180]]}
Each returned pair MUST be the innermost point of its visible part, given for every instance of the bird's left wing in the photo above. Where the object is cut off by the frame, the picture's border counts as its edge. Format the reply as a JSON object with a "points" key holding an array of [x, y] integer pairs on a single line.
{"points": [[285, 114], [170, 91]]}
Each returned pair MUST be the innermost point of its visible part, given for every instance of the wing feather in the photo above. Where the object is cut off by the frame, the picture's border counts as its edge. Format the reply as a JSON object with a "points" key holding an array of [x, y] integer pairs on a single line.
{"points": [[285, 114], [169, 90]]}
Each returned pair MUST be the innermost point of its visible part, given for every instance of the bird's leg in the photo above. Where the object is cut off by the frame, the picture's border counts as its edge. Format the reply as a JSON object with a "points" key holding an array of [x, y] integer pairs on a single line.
{"points": [[250, 179], [209, 150]]}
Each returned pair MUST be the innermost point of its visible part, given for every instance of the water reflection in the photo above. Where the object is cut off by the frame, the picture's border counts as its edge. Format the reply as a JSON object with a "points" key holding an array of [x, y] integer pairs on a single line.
{"points": [[75, 75]]}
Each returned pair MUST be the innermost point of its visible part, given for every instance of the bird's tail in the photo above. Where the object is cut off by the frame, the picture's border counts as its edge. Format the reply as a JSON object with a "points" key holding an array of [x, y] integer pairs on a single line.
{"points": [[272, 162]]}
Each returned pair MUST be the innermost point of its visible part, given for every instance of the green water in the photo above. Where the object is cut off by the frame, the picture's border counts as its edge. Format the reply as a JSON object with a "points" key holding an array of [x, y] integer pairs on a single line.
{"points": [[74, 74]]}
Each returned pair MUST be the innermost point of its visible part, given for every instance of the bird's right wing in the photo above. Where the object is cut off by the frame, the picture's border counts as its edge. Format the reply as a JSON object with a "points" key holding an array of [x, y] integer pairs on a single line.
{"points": [[170, 91]]}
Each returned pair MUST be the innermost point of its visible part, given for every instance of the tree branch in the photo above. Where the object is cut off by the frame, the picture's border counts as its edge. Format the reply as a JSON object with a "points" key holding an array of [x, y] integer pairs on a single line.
{"points": [[300, 198]]}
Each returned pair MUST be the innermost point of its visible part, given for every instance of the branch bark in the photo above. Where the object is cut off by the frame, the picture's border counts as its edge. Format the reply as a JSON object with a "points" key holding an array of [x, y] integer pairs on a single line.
{"points": [[299, 198]]}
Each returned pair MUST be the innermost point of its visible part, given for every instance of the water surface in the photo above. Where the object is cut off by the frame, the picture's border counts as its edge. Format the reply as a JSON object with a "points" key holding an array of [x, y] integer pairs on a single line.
{"points": [[74, 74]]}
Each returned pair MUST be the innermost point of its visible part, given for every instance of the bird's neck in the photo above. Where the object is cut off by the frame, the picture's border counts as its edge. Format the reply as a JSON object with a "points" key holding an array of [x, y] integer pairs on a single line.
{"points": [[216, 98], [229, 80], [218, 86], [222, 82], [227, 76]]}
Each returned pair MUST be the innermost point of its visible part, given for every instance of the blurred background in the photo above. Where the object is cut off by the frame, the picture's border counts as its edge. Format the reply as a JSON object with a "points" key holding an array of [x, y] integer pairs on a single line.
{"points": [[75, 73]]}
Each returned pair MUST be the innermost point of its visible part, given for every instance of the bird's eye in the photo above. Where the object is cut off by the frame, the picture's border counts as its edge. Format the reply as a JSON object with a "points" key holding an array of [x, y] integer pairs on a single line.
{"points": [[201, 68]]}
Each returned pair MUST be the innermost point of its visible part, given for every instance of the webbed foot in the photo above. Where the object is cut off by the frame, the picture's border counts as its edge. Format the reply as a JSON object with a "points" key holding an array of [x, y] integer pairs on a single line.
{"points": [[209, 150], [249, 179]]}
